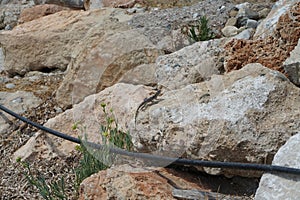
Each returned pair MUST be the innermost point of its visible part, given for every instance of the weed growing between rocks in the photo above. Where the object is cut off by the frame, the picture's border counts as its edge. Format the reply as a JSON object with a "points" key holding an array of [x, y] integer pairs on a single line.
{"points": [[92, 161], [49, 191], [200, 31]]}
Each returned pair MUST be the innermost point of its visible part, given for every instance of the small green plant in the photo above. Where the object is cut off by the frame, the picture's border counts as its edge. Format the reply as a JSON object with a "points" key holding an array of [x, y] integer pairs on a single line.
{"points": [[112, 134], [49, 191], [92, 160], [200, 31], [88, 165]]}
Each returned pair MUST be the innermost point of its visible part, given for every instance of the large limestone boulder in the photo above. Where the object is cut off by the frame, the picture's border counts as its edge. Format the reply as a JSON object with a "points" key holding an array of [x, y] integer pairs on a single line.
{"points": [[243, 116], [191, 64], [48, 43], [282, 186], [104, 62], [88, 115]]}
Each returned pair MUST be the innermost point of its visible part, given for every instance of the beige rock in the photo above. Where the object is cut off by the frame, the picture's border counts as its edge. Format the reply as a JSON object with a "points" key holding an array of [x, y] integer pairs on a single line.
{"points": [[233, 12], [50, 42], [141, 75], [104, 64], [126, 182], [38, 11], [88, 116], [192, 64], [229, 31], [231, 22], [264, 13]]}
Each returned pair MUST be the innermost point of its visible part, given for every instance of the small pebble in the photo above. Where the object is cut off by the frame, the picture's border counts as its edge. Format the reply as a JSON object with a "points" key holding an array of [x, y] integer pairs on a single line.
{"points": [[17, 100], [10, 85], [195, 15]]}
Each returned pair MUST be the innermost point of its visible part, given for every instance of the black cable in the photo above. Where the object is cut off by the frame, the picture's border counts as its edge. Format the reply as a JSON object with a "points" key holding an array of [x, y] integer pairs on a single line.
{"points": [[162, 159], [53, 132]]}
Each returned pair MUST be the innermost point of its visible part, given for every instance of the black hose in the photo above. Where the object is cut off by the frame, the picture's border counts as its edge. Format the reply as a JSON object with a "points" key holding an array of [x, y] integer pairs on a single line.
{"points": [[163, 159]]}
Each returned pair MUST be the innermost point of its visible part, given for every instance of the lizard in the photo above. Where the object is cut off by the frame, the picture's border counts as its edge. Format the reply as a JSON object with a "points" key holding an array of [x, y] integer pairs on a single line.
{"points": [[147, 101]]}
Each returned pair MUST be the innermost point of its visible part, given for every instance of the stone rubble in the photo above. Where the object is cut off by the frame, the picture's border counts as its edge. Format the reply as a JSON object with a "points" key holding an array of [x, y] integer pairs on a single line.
{"points": [[217, 102]]}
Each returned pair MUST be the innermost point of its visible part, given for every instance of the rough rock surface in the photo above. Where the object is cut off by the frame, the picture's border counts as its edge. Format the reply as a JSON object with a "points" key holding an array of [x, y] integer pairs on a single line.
{"points": [[130, 183], [271, 51], [292, 65], [267, 26], [10, 11], [89, 115], [36, 35], [104, 63], [237, 117], [217, 119], [192, 64], [282, 186], [38, 11], [49, 42], [94, 4], [141, 75], [19, 102]]}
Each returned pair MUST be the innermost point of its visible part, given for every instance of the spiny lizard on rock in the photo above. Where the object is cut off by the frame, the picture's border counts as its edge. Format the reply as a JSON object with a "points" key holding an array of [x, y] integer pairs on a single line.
{"points": [[147, 101]]}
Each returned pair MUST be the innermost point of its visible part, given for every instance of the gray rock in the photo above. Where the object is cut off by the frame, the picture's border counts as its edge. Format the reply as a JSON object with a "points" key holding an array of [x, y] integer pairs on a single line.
{"points": [[292, 65], [245, 34], [241, 21], [217, 119], [10, 11], [248, 13], [10, 85], [243, 5], [95, 4], [251, 23], [135, 10], [282, 186], [192, 64]]}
